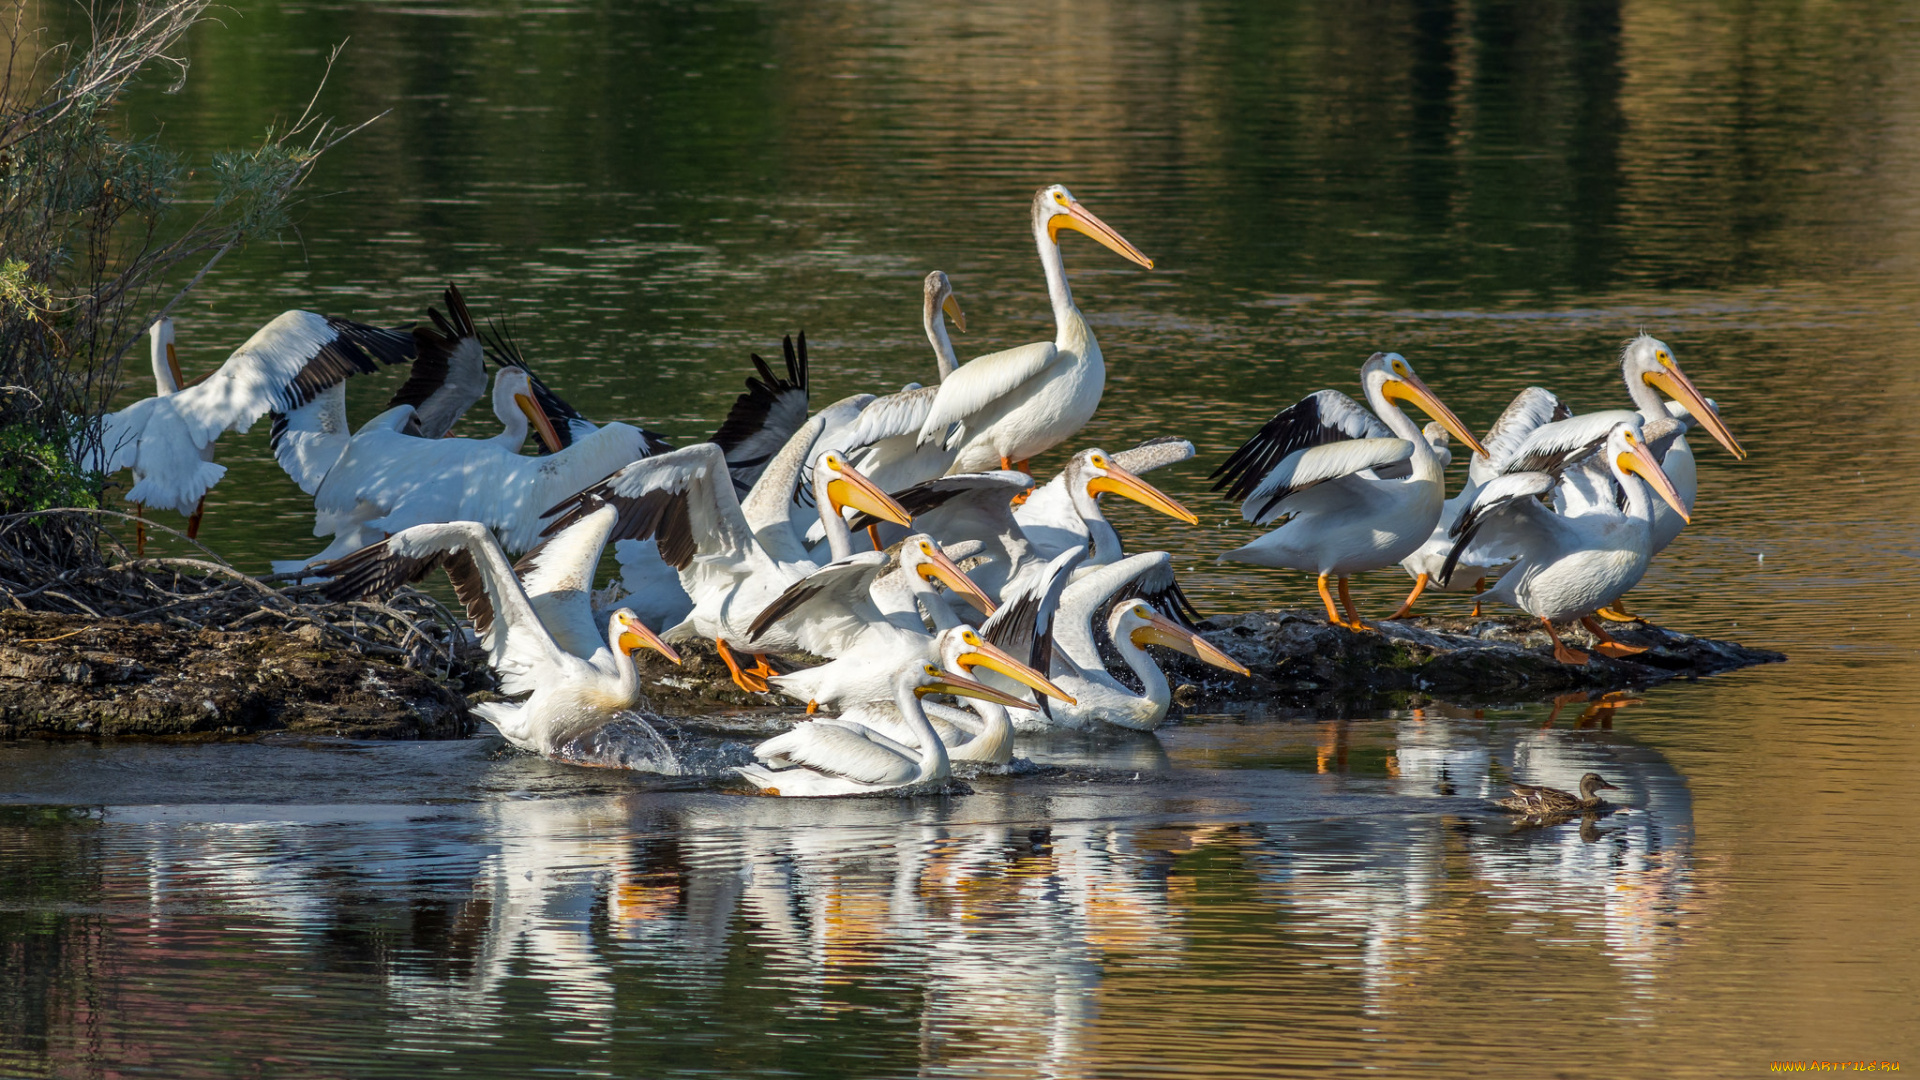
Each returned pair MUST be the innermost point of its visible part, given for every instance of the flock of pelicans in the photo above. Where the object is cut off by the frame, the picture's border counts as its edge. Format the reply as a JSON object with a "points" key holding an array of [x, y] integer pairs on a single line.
{"points": [[842, 532]]}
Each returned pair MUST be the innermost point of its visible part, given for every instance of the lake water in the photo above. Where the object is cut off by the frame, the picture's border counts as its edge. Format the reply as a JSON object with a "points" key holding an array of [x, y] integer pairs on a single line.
{"points": [[1502, 192]]}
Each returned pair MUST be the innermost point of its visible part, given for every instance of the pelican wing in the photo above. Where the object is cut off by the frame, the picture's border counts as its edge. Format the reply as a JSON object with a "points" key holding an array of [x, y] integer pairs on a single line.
{"points": [[890, 416], [1508, 511], [980, 384], [964, 506], [557, 576], [683, 499], [1023, 623], [518, 645], [1530, 410], [765, 417], [449, 373], [840, 749], [1328, 416], [309, 441], [284, 365], [1090, 595], [1553, 447], [1154, 453], [834, 603], [1303, 469]]}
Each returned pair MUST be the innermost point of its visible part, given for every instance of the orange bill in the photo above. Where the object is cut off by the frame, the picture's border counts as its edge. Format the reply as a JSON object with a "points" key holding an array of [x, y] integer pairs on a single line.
{"points": [[1126, 484], [1080, 220], [961, 686], [1640, 461], [635, 635], [542, 426], [951, 305], [983, 653], [939, 567], [1161, 630], [1674, 383], [849, 488], [1408, 387]]}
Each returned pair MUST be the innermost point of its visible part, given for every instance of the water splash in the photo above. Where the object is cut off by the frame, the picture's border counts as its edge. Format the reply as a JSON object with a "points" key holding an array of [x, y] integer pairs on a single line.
{"points": [[628, 741]]}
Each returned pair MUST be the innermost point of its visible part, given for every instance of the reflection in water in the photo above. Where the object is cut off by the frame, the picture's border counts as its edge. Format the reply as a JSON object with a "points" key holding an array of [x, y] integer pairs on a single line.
{"points": [[1009, 931]]}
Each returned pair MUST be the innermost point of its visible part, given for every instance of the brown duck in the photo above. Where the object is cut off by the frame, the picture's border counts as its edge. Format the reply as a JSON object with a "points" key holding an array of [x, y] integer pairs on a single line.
{"points": [[1543, 801]]}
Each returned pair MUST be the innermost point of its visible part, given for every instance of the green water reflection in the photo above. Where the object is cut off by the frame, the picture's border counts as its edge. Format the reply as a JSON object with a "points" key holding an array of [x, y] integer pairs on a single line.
{"points": [[1501, 191]]}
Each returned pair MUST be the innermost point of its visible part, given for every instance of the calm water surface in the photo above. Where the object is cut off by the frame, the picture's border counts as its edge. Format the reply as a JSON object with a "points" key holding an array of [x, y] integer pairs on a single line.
{"points": [[1502, 192]]}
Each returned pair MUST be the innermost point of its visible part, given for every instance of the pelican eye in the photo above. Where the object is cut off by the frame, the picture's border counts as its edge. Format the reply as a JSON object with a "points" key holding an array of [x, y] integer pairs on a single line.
{"points": [[1399, 368], [970, 637], [1097, 461], [930, 670], [1060, 197]]}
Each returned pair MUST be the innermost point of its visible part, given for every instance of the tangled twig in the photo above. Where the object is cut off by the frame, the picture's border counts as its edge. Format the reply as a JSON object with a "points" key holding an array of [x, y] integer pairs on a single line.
{"points": [[69, 562]]}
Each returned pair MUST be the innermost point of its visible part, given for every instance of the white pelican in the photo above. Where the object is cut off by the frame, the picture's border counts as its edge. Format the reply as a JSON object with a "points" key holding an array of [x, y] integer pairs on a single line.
{"points": [[1065, 511], [1351, 492], [387, 480], [1148, 592], [985, 735], [1569, 564], [978, 507], [167, 440], [569, 425], [1004, 408], [832, 613], [1649, 369], [548, 648], [883, 442], [1530, 409], [821, 758], [733, 559]]}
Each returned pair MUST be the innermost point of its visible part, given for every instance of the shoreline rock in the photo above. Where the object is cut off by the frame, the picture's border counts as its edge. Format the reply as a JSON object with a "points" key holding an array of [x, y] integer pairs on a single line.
{"points": [[1299, 660], [72, 676]]}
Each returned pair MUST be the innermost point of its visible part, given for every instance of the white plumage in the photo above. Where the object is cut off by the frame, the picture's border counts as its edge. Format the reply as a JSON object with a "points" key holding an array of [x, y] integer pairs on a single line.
{"points": [[1011, 405], [540, 635]]}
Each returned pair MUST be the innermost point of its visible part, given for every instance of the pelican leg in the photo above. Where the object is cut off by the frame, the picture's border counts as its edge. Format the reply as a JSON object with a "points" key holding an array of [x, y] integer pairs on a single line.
{"points": [[761, 668], [742, 679], [1617, 612], [873, 534], [1560, 650], [1478, 587], [139, 531], [1606, 645], [1406, 609], [1006, 463], [193, 522], [1346, 601], [1333, 614], [1024, 465]]}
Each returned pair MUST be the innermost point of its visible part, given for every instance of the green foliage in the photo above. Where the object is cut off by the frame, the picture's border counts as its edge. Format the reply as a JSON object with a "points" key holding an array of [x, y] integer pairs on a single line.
{"points": [[37, 473], [93, 224]]}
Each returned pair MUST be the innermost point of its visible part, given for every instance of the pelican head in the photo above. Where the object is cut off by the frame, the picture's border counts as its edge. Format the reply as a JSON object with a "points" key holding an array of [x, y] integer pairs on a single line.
{"points": [[922, 557], [628, 633], [1136, 621], [926, 679], [1389, 377], [940, 297], [164, 358], [1628, 453], [963, 649], [1435, 433], [1093, 472], [1055, 208], [513, 388], [1648, 359], [841, 486]]}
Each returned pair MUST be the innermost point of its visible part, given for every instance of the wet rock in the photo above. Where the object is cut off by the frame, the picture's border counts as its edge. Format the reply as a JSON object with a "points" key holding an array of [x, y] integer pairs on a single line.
{"points": [[70, 675], [1297, 659]]}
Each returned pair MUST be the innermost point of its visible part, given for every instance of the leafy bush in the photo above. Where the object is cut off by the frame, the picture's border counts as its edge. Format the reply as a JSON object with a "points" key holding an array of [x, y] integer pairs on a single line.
{"points": [[92, 223]]}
